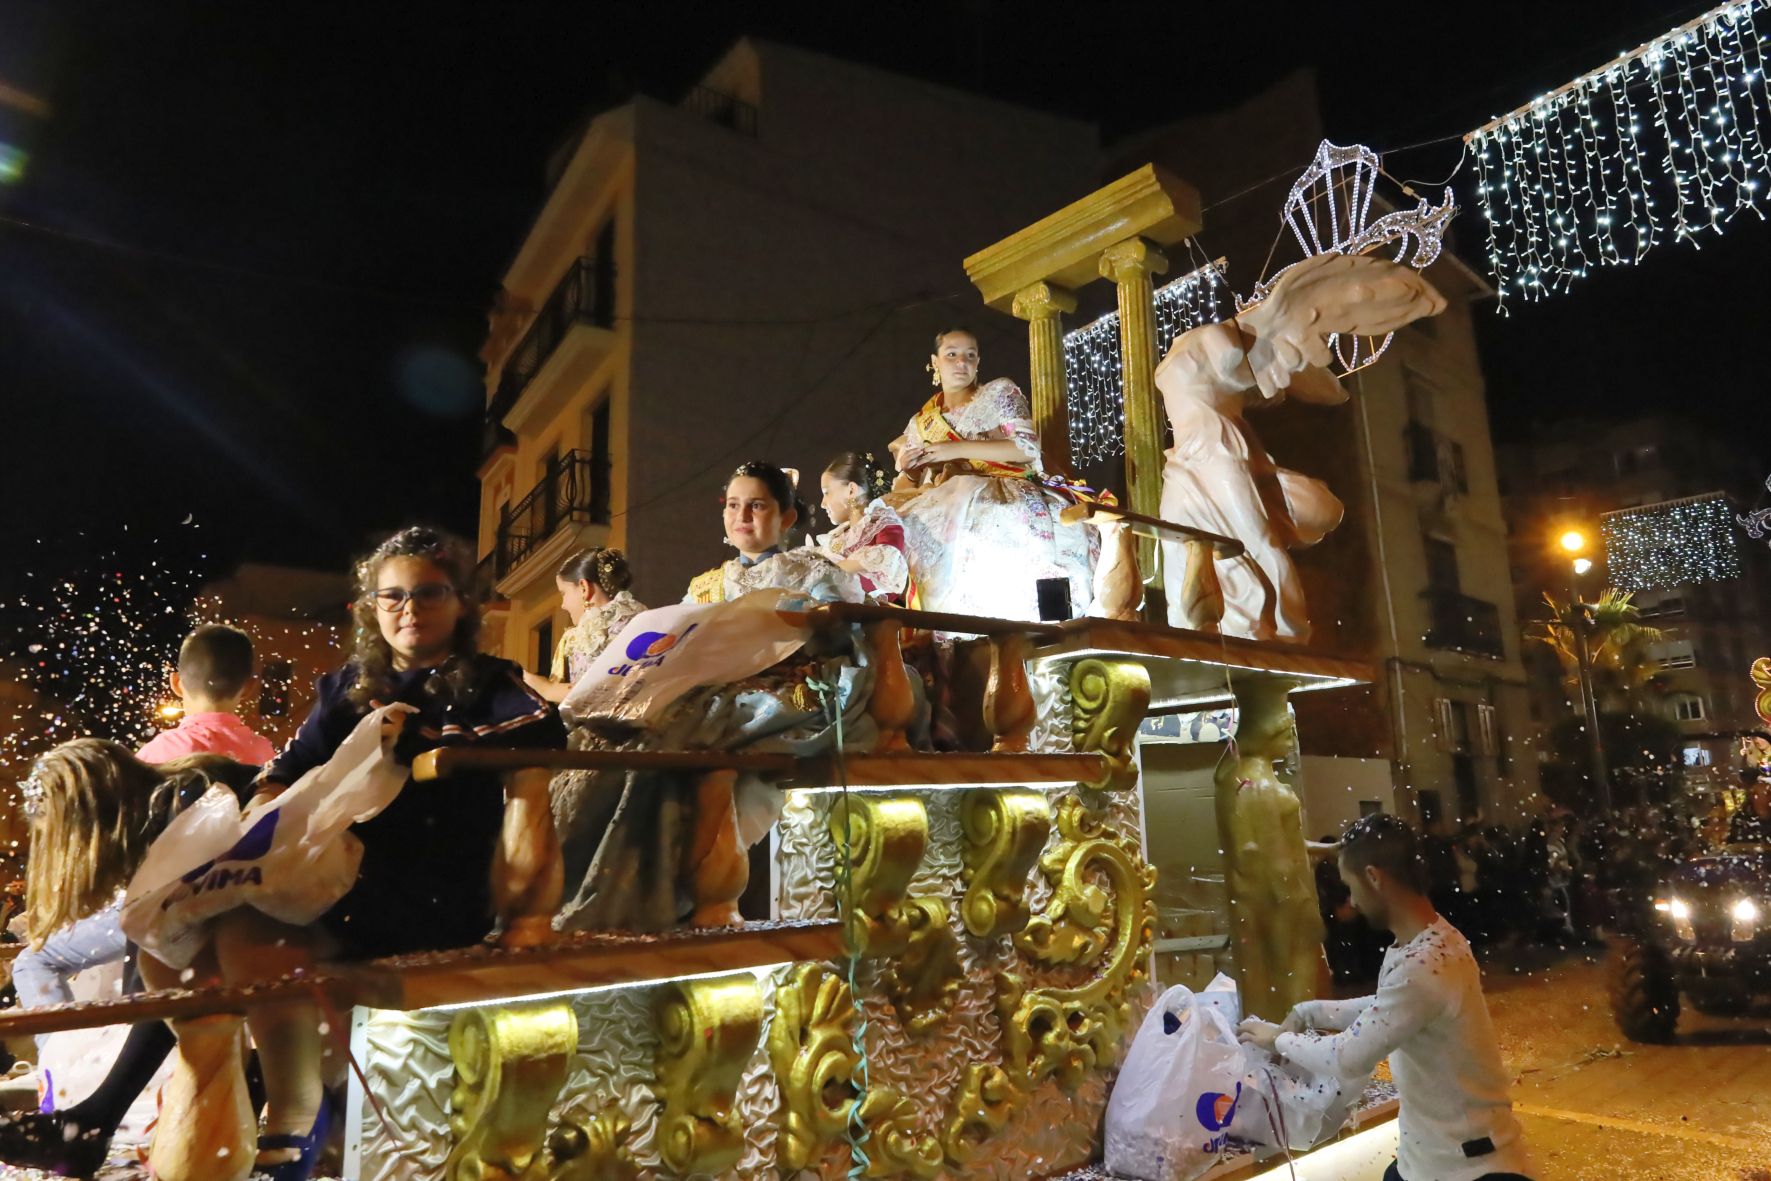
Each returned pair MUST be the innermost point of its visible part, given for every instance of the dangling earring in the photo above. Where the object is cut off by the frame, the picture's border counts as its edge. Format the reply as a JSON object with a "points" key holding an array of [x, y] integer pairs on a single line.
{"points": [[934, 376]]}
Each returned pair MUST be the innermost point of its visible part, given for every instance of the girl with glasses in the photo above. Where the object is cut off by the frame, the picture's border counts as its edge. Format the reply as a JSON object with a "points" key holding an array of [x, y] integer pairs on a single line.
{"points": [[429, 858]]}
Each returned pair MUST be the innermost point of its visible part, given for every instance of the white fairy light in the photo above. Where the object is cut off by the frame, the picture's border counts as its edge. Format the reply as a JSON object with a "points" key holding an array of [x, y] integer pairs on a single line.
{"points": [[1685, 542], [1573, 179], [1096, 394]]}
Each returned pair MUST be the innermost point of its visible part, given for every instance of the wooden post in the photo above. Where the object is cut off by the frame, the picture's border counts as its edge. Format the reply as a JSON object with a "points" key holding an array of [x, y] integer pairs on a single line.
{"points": [[1130, 265], [1043, 305]]}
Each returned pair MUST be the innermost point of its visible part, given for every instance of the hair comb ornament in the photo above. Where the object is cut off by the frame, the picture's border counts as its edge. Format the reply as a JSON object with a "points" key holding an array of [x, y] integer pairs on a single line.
{"points": [[31, 789]]}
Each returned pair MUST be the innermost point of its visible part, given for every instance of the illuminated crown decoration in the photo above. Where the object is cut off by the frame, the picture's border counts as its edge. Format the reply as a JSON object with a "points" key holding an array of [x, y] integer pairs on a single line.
{"points": [[1326, 211]]}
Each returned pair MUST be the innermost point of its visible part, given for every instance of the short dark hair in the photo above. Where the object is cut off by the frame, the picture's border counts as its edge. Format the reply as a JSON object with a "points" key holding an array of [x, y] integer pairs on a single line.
{"points": [[216, 661], [1388, 843], [860, 467]]}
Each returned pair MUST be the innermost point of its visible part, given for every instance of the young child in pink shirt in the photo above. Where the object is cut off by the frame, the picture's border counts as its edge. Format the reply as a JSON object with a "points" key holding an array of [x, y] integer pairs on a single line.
{"points": [[214, 664]]}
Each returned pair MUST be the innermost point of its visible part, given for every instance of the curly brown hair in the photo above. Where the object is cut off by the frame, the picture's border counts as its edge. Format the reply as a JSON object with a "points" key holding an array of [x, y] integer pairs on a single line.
{"points": [[370, 655]]}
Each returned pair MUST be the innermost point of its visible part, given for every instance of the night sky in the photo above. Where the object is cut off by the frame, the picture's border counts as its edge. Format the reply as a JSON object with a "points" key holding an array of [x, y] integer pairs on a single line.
{"points": [[262, 238]]}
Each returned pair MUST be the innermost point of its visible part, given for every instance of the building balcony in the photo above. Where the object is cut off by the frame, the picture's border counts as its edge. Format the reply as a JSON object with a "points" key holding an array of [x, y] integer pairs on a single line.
{"points": [[1458, 623], [575, 325], [573, 493], [718, 107]]}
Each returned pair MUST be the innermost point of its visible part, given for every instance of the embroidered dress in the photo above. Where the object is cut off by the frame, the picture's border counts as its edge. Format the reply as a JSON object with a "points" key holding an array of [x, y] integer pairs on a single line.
{"points": [[803, 570], [978, 534], [586, 639], [875, 542], [624, 836]]}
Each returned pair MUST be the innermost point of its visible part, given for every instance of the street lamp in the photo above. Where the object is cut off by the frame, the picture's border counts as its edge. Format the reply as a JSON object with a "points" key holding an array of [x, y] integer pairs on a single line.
{"points": [[1574, 543]]}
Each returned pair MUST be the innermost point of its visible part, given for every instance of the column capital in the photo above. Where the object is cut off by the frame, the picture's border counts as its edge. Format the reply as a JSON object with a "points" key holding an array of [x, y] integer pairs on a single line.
{"points": [[1042, 301], [1132, 258]]}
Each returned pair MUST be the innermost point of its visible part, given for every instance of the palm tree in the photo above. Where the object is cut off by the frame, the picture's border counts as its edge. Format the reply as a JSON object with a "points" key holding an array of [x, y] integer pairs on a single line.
{"points": [[1626, 678]]}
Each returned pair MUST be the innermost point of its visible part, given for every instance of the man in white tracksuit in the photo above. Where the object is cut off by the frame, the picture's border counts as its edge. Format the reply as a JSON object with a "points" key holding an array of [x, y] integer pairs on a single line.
{"points": [[1427, 1017]]}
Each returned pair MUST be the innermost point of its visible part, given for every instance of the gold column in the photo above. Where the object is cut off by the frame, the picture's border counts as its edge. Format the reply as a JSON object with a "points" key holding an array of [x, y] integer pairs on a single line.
{"points": [[1043, 305], [1131, 264]]}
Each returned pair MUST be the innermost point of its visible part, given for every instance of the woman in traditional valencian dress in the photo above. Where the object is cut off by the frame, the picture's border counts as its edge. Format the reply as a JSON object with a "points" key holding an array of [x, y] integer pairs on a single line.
{"points": [[760, 509], [980, 533], [868, 540], [593, 590], [644, 850]]}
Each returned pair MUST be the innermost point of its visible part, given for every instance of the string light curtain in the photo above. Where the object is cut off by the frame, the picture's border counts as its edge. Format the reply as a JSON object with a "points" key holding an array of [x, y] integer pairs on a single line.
{"points": [[1091, 359], [1685, 542], [1665, 144]]}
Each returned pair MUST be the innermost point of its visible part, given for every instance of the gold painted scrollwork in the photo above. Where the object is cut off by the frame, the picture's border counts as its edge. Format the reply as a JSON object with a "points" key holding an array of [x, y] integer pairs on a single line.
{"points": [[986, 1099], [924, 980], [1067, 1032], [886, 838], [1108, 699], [896, 1144], [591, 1151], [1004, 831], [707, 1030], [814, 1056], [510, 1064]]}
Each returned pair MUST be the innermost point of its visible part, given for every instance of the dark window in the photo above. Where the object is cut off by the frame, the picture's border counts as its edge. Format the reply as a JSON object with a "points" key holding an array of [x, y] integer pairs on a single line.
{"points": [[1370, 807], [1463, 773], [603, 278], [1441, 564], [273, 688], [1430, 808], [599, 464], [544, 647]]}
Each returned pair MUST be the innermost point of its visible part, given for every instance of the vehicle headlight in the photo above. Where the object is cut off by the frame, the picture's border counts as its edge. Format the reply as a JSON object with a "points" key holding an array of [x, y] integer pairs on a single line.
{"points": [[1745, 911], [1679, 909]]}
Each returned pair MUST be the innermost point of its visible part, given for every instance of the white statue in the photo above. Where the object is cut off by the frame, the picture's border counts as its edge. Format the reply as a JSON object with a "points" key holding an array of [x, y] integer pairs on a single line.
{"points": [[1219, 477]]}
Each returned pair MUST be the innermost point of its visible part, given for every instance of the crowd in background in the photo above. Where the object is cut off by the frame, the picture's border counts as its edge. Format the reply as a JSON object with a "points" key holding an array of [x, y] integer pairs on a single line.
{"points": [[1555, 881]]}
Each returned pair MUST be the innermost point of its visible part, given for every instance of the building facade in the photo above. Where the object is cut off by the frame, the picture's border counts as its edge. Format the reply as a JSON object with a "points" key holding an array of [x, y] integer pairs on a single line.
{"points": [[754, 273], [1584, 477], [1415, 579]]}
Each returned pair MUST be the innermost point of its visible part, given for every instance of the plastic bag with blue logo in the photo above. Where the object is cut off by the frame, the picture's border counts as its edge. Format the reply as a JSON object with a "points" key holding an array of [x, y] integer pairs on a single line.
{"points": [[663, 653], [291, 858], [1169, 1115], [1286, 1106]]}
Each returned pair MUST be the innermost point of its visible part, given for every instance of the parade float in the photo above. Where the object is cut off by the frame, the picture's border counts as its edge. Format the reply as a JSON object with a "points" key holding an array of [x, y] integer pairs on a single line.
{"points": [[961, 944]]}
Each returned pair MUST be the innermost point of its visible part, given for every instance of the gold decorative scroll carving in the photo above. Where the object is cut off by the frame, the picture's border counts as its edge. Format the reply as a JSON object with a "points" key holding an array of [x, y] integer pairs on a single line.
{"points": [[510, 1064], [707, 1030], [1067, 1032], [923, 980], [1004, 832], [896, 1145], [886, 838], [986, 1099], [1108, 699], [814, 1057], [588, 1152]]}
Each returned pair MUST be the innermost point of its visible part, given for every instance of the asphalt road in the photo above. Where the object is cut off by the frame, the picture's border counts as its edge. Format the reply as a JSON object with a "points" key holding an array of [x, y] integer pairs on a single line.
{"points": [[1597, 1107]]}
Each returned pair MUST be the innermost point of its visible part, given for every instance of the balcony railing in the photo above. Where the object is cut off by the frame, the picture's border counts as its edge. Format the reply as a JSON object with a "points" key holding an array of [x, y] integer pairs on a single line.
{"points": [[718, 107], [1435, 459], [575, 491], [586, 295], [1459, 623]]}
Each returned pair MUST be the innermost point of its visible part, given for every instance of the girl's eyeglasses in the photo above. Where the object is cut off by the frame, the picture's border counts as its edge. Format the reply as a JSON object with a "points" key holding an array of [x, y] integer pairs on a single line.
{"points": [[423, 596]]}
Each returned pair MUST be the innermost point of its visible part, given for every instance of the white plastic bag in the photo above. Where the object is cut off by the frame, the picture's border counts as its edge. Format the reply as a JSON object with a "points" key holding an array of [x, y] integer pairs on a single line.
{"points": [[1169, 1115], [1286, 1106], [663, 653], [291, 858]]}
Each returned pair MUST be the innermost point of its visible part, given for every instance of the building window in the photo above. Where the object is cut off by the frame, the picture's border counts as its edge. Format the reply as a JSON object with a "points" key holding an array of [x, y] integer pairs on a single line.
{"points": [[1369, 808], [1441, 564], [1689, 708], [273, 688], [1663, 608], [1696, 756], [544, 647]]}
